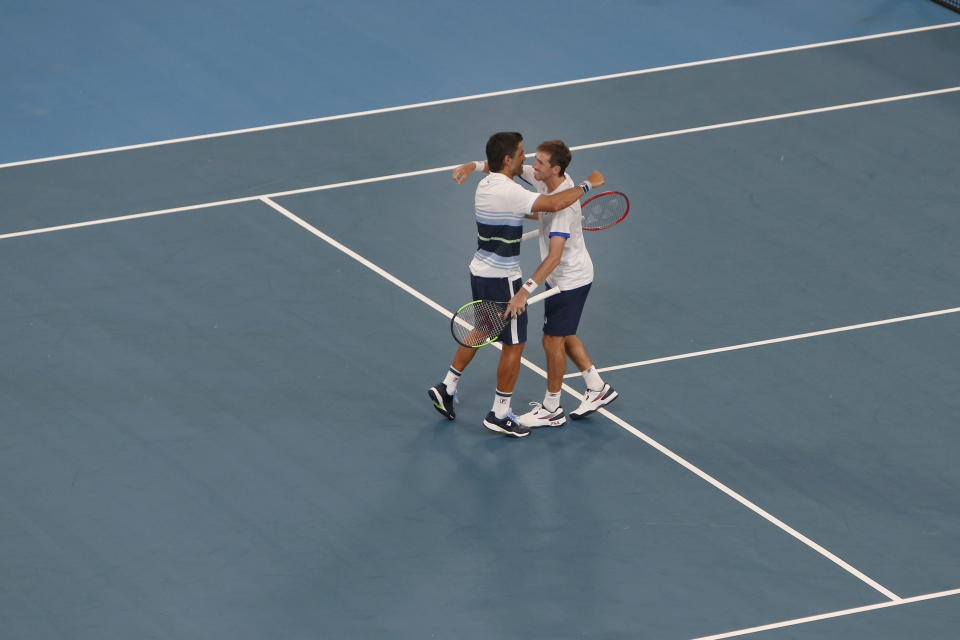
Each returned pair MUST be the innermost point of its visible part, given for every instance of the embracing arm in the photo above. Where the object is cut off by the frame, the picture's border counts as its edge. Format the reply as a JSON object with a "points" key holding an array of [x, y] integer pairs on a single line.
{"points": [[562, 200], [460, 173]]}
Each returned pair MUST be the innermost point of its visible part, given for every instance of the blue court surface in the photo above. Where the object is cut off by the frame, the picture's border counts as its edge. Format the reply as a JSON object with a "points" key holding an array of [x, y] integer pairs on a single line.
{"points": [[230, 248]]}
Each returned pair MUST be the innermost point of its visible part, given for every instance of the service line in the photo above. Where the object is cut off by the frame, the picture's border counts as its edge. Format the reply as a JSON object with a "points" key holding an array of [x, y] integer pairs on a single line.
{"points": [[409, 174]]}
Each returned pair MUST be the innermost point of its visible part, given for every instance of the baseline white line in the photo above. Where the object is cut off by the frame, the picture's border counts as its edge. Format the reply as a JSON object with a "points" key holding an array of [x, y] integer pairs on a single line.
{"points": [[479, 96], [650, 441], [408, 174], [760, 343], [832, 614]]}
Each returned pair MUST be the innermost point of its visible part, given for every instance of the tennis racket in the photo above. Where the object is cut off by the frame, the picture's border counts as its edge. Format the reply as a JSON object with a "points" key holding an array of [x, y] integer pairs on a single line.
{"points": [[481, 322], [600, 211]]}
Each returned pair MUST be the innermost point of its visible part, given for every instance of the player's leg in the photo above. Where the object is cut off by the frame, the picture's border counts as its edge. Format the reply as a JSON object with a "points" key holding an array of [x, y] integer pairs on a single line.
{"points": [[549, 413], [598, 392], [553, 348], [444, 394], [577, 352], [508, 369], [513, 339], [561, 316]]}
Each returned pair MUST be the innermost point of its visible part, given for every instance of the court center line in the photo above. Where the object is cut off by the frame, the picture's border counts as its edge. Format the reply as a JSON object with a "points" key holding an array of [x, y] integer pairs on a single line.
{"points": [[631, 429], [492, 94], [408, 174], [760, 343], [832, 614]]}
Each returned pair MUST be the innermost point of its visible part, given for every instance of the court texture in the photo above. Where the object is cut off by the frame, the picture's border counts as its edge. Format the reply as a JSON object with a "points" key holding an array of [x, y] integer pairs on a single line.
{"points": [[230, 246]]}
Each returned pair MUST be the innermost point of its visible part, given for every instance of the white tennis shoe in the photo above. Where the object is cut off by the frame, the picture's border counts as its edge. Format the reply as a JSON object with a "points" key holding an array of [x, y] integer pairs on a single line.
{"points": [[540, 417], [593, 400]]}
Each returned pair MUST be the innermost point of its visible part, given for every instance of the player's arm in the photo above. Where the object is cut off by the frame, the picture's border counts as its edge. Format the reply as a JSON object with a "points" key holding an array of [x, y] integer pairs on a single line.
{"points": [[460, 173], [519, 301], [528, 177], [562, 200]]}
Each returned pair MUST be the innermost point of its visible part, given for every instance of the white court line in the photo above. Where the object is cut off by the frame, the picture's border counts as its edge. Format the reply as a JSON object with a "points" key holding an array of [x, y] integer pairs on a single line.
{"points": [[760, 343], [832, 614], [479, 96], [219, 203], [650, 441], [436, 306], [408, 174]]}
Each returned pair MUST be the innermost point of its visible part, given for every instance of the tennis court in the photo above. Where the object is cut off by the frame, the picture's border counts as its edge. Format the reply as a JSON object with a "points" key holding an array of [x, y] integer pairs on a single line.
{"points": [[214, 421]]}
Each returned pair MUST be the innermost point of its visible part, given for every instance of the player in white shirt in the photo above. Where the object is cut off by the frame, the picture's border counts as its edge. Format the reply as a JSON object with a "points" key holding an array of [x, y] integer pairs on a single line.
{"points": [[566, 264], [500, 206]]}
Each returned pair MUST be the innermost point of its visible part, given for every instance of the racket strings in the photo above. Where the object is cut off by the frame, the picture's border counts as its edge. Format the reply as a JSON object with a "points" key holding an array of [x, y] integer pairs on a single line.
{"points": [[603, 210], [479, 322]]}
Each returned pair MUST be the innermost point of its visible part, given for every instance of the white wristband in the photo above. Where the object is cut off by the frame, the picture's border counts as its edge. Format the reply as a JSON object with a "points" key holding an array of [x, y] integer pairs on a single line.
{"points": [[585, 186], [530, 285], [478, 165]]}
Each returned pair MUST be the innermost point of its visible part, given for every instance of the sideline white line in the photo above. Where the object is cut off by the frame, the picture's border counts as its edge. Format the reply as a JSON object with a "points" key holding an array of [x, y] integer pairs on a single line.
{"points": [[356, 256], [479, 96], [763, 513], [650, 441], [408, 174], [436, 306], [832, 614], [760, 343]]}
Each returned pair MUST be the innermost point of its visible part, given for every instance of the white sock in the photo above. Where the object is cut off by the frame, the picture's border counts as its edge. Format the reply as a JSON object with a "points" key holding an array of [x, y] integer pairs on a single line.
{"points": [[551, 401], [501, 404], [593, 379], [451, 380]]}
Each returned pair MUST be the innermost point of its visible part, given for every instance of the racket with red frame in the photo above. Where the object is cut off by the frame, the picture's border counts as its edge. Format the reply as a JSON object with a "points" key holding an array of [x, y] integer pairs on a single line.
{"points": [[600, 211]]}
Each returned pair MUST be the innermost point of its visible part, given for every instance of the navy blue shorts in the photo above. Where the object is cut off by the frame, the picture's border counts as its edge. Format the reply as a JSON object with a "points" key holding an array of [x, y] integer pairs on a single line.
{"points": [[561, 315], [501, 290]]}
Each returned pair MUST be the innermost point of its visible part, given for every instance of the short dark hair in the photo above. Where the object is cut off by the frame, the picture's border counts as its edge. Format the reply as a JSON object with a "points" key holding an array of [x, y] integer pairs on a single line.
{"points": [[559, 153], [501, 144]]}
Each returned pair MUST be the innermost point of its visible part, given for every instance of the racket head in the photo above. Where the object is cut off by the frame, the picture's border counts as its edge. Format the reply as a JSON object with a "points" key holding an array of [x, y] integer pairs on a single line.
{"points": [[604, 210], [479, 323]]}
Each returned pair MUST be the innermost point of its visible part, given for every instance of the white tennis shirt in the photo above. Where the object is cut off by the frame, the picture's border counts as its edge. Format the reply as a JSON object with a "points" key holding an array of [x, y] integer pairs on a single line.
{"points": [[575, 268], [499, 205]]}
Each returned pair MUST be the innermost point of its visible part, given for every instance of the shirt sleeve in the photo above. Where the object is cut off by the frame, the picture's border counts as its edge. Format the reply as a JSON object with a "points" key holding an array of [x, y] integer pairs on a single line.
{"points": [[563, 221], [523, 199]]}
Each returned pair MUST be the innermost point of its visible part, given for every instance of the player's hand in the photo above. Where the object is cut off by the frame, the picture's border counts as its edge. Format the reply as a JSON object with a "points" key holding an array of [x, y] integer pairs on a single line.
{"points": [[596, 179], [460, 173], [518, 303]]}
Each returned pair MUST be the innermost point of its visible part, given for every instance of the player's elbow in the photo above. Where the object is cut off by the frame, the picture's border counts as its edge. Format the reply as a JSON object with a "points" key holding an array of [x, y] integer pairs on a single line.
{"points": [[546, 204]]}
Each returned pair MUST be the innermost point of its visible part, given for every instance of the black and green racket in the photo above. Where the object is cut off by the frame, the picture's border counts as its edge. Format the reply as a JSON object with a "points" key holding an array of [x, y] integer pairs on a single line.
{"points": [[481, 322]]}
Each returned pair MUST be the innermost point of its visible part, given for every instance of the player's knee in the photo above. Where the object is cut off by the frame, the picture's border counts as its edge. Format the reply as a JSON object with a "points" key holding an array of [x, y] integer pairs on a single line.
{"points": [[553, 343]]}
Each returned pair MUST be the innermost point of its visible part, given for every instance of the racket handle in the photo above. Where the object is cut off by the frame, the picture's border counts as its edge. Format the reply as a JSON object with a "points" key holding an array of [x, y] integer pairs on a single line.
{"points": [[529, 234], [543, 295]]}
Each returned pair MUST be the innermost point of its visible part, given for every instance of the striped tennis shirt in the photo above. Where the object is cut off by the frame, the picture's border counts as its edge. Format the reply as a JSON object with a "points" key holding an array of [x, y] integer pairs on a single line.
{"points": [[499, 204]]}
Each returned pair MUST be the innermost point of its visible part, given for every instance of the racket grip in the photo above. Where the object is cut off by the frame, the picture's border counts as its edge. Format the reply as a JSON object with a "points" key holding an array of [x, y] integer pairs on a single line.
{"points": [[529, 234], [541, 296]]}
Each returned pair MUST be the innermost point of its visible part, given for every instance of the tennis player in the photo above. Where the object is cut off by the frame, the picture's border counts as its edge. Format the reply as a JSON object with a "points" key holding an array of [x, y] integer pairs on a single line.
{"points": [[500, 205], [566, 264]]}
